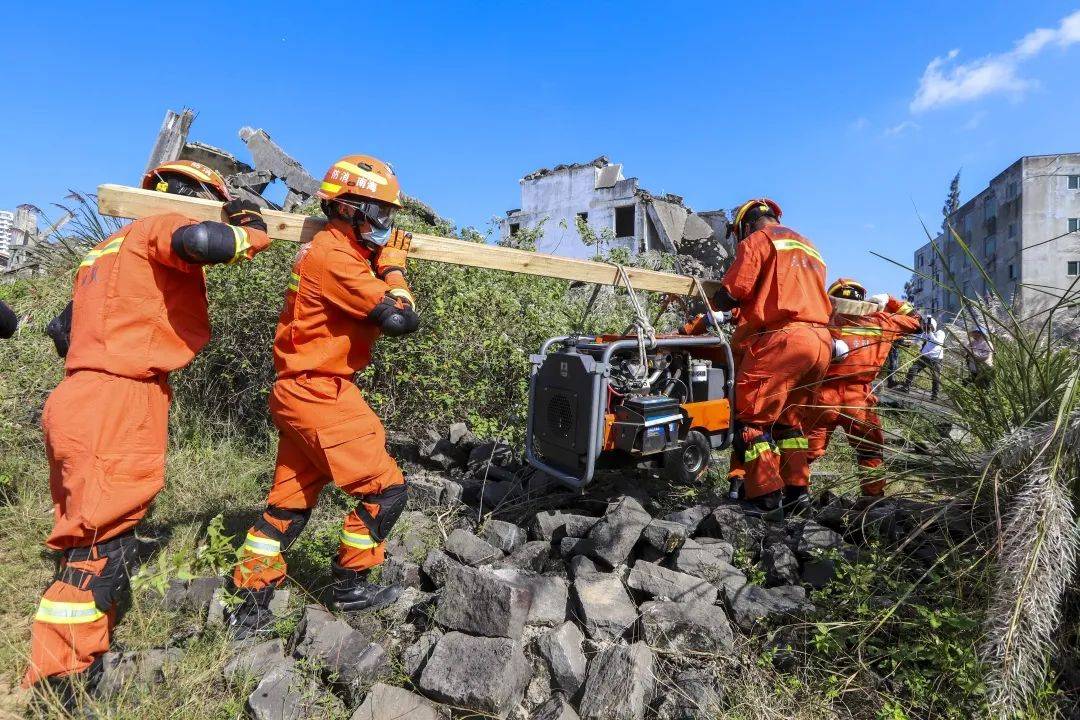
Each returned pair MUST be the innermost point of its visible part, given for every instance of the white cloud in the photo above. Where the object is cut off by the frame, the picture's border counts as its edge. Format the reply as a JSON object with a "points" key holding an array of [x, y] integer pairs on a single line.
{"points": [[902, 128], [975, 120], [859, 124], [946, 81]]}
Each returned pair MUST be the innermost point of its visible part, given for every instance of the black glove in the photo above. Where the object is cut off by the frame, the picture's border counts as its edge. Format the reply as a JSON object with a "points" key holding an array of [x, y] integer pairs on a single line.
{"points": [[396, 318], [9, 322], [59, 329], [244, 213]]}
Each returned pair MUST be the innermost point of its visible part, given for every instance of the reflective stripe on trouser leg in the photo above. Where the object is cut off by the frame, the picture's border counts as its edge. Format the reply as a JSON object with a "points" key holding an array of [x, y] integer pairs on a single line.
{"points": [[794, 457], [261, 560], [871, 476], [358, 549], [762, 463], [69, 632]]}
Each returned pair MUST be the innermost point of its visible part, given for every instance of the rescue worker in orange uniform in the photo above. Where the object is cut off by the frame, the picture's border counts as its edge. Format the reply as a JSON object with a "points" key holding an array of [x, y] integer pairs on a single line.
{"points": [[348, 287], [777, 282], [8, 321], [845, 398], [138, 312]]}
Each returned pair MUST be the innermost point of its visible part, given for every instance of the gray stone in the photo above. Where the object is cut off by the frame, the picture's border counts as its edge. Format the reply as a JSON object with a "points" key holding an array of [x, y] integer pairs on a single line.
{"points": [[255, 661], [427, 490], [555, 709], [691, 695], [579, 565], [731, 524], [754, 604], [815, 539], [215, 614], [571, 546], [195, 594], [561, 649], [459, 434], [614, 536], [687, 627], [396, 571], [660, 582], [481, 602], [437, 566], [494, 492], [477, 673], [417, 532], [347, 655], [533, 555], [471, 550], [664, 536], [548, 594], [414, 657], [143, 668], [620, 683], [578, 525], [691, 517], [545, 524], [603, 605], [781, 566], [286, 694], [386, 702], [506, 536], [411, 604], [703, 561], [819, 572]]}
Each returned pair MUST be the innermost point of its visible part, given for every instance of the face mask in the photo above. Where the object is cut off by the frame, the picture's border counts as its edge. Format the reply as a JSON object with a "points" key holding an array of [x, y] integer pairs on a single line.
{"points": [[374, 235]]}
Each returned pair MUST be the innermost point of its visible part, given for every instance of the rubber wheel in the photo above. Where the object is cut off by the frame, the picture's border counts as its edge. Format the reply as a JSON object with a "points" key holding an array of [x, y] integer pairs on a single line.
{"points": [[689, 462]]}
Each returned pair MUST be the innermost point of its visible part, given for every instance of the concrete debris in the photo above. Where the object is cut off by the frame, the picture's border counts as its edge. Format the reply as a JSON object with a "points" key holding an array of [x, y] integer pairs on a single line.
{"points": [[691, 695], [659, 582], [817, 573], [471, 550], [121, 670], [414, 657], [742, 531], [347, 656], [396, 571], [703, 561], [620, 683], [781, 566], [533, 555], [815, 539], [194, 595], [386, 702], [603, 605], [279, 605], [682, 627], [478, 673], [614, 536], [255, 661], [506, 536], [555, 709], [561, 649], [437, 566], [754, 604], [287, 694], [690, 518], [664, 535], [549, 594], [482, 602]]}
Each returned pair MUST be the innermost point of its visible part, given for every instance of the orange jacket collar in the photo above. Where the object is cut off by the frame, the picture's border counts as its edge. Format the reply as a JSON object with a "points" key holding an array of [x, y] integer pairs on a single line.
{"points": [[345, 232]]}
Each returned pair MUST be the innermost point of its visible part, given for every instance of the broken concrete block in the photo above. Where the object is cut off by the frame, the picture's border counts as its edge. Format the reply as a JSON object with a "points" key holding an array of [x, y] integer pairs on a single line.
{"points": [[603, 605], [286, 694], [193, 595], [544, 524], [614, 536], [414, 657], [664, 536], [549, 594], [142, 668], [506, 536], [703, 561], [555, 709], [571, 546], [687, 627], [347, 655], [754, 604], [437, 566], [620, 683], [781, 566], [386, 702], [819, 572], [481, 602], [660, 582], [561, 649], [691, 517], [254, 661], [742, 531], [533, 555], [471, 550], [478, 673], [396, 571]]}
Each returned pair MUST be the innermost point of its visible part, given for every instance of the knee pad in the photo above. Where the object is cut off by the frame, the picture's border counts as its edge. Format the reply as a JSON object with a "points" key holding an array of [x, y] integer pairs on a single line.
{"points": [[391, 503], [293, 522], [108, 584]]}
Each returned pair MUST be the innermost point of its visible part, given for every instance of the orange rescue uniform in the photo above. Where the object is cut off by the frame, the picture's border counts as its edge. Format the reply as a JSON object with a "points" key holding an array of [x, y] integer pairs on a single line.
{"points": [[845, 398], [778, 279], [327, 432], [139, 312]]}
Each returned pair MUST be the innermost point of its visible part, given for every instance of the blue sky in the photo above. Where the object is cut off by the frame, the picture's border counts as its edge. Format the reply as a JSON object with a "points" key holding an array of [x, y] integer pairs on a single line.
{"points": [[851, 115]]}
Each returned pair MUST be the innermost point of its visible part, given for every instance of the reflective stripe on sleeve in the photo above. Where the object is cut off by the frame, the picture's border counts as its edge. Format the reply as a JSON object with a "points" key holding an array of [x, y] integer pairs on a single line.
{"points": [[259, 545], [242, 244], [790, 244], [294, 282], [861, 331], [402, 294], [113, 246], [755, 450], [360, 541], [67, 613]]}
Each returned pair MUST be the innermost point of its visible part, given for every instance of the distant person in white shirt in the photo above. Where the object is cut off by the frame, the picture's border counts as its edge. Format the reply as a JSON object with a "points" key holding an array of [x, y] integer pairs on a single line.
{"points": [[980, 357], [931, 354]]}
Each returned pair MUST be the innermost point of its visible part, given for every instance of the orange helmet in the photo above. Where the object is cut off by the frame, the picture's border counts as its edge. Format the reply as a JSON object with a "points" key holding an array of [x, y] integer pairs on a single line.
{"points": [[761, 205], [208, 178], [848, 289], [363, 176]]}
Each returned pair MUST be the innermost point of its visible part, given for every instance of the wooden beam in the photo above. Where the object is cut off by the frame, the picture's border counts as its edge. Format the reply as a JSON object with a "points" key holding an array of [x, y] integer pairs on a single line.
{"points": [[126, 202]]}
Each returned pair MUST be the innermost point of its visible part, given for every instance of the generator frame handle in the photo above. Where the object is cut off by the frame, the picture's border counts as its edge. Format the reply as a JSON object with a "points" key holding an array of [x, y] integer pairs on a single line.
{"points": [[600, 384]]}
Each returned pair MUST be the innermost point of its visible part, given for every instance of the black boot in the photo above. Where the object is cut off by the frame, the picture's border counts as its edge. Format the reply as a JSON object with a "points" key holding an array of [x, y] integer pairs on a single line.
{"points": [[767, 507], [252, 618], [71, 693], [352, 592], [796, 501]]}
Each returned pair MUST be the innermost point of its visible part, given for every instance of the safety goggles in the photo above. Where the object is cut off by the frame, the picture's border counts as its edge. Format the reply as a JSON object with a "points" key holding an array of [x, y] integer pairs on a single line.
{"points": [[380, 215]]}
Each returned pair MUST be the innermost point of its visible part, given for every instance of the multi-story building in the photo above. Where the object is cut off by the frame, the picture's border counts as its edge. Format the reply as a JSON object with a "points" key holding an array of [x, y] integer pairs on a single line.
{"points": [[1024, 232], [7, 222]]}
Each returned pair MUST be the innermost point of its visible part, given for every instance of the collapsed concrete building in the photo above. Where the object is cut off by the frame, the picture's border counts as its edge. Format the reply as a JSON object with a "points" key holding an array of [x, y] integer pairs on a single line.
{"points": [[616, 209]]}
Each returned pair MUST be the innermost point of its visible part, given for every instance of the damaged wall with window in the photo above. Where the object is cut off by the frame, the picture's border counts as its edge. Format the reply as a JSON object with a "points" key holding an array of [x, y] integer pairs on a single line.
{"points": [[617, 210]]}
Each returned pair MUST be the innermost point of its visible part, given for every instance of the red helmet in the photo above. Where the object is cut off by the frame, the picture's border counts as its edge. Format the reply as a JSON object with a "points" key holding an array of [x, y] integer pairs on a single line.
{"points": [[183, 177]]}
